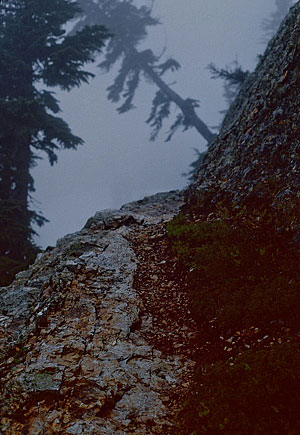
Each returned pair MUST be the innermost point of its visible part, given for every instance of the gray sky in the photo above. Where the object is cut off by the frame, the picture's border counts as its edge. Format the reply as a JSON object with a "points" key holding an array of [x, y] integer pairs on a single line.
{"points": [[118, 164]]}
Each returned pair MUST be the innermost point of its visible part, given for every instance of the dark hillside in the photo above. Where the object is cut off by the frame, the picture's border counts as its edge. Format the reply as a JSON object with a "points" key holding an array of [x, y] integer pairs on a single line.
{"points": [[237, 247]]}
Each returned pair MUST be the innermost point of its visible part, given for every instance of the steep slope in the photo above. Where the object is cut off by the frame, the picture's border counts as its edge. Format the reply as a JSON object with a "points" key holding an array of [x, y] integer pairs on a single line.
{"points": [[238, 243], [257, 152], [97, 336]]}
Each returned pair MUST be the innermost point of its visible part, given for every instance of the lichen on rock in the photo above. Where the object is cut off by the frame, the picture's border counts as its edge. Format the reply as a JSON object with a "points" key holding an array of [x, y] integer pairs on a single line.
{"points": [[74, 359]]}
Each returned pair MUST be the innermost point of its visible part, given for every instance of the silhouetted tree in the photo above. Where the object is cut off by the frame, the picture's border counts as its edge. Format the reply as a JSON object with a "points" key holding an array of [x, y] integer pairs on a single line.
{"points": [[233, 75], [129, 24], [34, 50], [270, 25], [195, 165]]}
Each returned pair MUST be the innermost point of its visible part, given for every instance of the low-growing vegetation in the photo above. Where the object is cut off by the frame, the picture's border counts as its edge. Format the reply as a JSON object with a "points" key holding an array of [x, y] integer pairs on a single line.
{"points": [[242, 271]]}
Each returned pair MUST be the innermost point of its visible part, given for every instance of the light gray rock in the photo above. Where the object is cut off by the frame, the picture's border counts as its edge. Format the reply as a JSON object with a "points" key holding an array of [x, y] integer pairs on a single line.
{"points": [[70, 361]]}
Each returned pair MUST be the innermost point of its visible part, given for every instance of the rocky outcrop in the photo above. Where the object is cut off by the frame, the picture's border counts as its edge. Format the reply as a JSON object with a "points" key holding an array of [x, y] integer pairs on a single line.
{"points": [[96, 337], [73, 335], [257, 152]]}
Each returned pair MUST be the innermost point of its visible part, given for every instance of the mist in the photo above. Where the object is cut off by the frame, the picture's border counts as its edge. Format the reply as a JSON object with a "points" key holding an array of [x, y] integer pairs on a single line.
{"points": [[118, 163]]}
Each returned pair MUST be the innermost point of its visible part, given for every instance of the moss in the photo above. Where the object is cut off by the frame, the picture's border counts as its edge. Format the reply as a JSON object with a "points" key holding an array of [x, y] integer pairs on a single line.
{"points": [[258, 393], [75, 249], [43, 381]]}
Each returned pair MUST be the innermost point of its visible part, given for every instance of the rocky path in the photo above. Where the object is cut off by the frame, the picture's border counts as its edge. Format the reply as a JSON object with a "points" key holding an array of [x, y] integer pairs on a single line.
{"points": [[91, 339]]}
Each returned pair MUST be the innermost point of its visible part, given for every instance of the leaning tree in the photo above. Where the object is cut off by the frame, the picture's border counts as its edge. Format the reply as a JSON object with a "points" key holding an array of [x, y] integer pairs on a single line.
{"points": [[34, 51], [129, 24]]}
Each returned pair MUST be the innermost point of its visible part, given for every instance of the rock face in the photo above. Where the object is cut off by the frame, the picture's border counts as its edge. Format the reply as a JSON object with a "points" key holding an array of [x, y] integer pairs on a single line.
{"points": [[73, 356], [258, 149]]}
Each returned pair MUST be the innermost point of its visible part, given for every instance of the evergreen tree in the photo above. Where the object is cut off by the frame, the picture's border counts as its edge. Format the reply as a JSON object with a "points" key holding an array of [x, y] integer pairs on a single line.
{"points": [[233, 75], [34, 50], [129, 24], [270, 25]]}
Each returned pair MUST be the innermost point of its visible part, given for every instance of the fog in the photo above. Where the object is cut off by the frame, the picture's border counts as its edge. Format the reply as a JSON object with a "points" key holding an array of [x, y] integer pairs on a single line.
{"points": [[118, 163]]}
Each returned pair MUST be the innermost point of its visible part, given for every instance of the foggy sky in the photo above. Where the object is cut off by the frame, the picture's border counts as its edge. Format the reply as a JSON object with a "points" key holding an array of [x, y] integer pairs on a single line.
{"points": [[118, 164]]}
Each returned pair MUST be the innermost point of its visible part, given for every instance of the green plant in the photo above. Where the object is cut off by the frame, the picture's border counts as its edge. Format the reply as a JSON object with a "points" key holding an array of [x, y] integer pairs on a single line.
{"points": [[75, 249]]}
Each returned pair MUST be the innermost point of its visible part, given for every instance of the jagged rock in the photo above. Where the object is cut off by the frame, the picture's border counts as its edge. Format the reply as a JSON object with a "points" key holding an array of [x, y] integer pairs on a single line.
{"points": [[73, 356], [256, 154]]}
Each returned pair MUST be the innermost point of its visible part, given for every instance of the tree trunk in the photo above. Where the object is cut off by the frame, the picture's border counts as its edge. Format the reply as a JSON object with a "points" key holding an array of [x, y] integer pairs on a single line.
{"points": [[22, 176], [15, 217], [186, 109]]}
